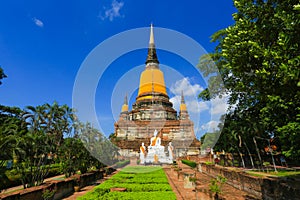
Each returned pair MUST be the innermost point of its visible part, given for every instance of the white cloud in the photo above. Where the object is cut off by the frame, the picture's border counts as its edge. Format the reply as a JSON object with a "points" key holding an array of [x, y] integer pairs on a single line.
{"points": [[219, 105], [38, 22], [195, 106], [187, 88], [176, 102], [210, 126], [209, 110], [114, 11], [190, 95]]}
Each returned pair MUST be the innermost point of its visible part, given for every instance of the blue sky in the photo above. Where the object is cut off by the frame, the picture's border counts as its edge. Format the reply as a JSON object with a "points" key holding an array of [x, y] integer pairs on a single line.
{"points": [[43, 44]]}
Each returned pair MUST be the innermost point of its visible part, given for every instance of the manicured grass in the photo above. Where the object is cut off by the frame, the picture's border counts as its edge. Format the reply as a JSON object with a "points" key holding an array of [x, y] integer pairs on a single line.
{"points": [[141, 183]]}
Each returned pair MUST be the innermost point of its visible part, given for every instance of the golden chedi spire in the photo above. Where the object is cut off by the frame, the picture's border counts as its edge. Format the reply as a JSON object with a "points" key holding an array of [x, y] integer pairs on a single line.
{"points": [[182, 103], [152, 78], [183, 113], [125, 105], [152, 56]]}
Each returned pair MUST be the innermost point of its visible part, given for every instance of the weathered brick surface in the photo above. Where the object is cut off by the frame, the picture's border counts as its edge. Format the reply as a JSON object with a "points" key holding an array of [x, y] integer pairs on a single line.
{"points": [[62, 187], [263, 188]]}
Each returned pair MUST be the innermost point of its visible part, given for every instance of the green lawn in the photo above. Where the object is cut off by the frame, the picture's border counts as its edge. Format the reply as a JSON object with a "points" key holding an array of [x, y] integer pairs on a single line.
{"points": [[141, 183]]}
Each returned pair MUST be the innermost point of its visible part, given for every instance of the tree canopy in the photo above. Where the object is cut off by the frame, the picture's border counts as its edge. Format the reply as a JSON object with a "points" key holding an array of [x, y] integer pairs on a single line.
{"points": [[258, 58], [33, 139], [2, 75]]}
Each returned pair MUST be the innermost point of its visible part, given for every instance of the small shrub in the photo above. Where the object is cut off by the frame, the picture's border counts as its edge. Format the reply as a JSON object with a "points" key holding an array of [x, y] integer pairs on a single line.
{"points": [[222, 163], [208, 163], [216, 184], [48, 194], [193, 179], [236, 163], [189, 163]]}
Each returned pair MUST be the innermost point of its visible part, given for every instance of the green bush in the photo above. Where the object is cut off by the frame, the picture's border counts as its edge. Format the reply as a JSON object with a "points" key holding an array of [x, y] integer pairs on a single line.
{"points": [[209, 163], [121, 164], [55, 169], [236, 163], [12, 178], [217, 183], [189, 163], [222, 163]]}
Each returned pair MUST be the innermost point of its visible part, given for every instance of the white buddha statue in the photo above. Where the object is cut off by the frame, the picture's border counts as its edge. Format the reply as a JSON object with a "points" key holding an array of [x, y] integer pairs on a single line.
{"points": [[156, 152], [155, 140], [155, 144]]}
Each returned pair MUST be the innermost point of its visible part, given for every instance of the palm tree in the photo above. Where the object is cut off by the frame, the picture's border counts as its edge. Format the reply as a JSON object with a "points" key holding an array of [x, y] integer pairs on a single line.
{"points": [[54, 120]]}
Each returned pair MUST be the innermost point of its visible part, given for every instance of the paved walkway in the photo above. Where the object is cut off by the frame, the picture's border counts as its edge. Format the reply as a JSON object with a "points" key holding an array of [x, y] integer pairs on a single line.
{"points": [[203, 181]]}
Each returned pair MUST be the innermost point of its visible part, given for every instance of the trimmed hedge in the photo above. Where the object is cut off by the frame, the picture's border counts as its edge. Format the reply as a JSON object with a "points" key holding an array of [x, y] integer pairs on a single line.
{"points": [[135, 187], [121, 164], [140, 195], [130, 195], [152, 185], [189, 163]]}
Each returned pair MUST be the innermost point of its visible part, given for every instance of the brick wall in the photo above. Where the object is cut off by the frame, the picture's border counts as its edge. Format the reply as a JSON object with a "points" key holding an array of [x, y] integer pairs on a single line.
{"points": [[63, 188], [263, 188]]}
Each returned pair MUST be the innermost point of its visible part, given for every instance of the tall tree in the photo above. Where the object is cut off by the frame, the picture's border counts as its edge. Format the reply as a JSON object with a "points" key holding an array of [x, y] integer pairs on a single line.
{"points": [[12, 129], [12, 126], [2, 75], [53, 120], [258, 58], [47, 124], [97, 144]]}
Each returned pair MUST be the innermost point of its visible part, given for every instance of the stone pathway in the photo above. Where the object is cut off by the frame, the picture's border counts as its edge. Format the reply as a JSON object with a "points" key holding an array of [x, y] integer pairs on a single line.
{"points": [[203, 181]]}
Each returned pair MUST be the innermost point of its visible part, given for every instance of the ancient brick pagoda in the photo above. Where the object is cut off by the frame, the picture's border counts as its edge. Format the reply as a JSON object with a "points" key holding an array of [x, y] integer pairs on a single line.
{"points": [[154, 111]]}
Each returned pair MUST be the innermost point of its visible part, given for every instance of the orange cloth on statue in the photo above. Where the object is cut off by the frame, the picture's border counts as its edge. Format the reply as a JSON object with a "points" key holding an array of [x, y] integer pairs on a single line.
{"points": [[153, 141], [142, 149]]}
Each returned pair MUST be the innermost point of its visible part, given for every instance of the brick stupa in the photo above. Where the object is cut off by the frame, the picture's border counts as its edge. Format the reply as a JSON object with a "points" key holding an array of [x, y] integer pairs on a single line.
{"points": [[152, 111]]}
